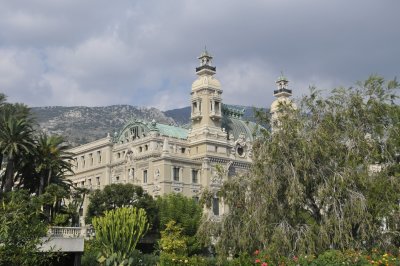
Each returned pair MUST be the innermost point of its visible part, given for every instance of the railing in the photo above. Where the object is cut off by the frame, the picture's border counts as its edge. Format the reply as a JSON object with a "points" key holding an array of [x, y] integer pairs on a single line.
{"points": [[283, 90], [205, 67], [86, 232], [70, 232]]}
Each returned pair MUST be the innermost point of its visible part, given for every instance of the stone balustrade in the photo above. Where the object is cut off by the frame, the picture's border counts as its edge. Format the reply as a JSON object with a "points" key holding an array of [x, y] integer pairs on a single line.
{"points": [[70, 232]]}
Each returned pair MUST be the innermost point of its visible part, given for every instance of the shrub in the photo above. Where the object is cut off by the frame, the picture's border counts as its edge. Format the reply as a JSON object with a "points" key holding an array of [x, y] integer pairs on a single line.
{"points": [[167, 259], [119, 232]]}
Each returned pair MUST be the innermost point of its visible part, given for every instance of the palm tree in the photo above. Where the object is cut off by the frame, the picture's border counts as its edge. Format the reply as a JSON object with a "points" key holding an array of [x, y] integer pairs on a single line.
{"points": [[52, 160], [15, 140]]}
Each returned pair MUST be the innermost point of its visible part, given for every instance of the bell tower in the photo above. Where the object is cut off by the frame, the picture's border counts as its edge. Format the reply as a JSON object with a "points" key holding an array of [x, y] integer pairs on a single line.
{"points": [[282, 94], [206, 98]]}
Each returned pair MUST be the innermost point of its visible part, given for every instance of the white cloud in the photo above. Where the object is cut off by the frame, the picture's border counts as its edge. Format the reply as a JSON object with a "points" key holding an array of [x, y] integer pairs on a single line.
{"points": [[99, 52]]}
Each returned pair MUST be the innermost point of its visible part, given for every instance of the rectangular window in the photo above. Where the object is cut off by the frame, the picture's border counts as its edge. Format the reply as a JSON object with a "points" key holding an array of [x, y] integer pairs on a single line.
{"points": [[175, 173], [99, 156], [217, 107], [195, 178], [216, 206], [98, 180], [145, 176]]}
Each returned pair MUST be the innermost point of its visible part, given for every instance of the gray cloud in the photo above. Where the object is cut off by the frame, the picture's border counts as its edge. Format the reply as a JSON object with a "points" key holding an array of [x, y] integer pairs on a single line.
{"points": [[99, 52]]}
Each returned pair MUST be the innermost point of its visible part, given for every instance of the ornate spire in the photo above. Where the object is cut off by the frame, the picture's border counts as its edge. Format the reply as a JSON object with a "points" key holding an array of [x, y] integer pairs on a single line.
{"points": [[282, 84], [205, 64]]}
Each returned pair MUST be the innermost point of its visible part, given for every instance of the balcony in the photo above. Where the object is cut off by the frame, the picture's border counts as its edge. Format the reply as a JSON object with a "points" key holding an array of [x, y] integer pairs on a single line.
{"points": [[196, 116], [282, 92], [70, 232], [215, 115], [206, 67]]}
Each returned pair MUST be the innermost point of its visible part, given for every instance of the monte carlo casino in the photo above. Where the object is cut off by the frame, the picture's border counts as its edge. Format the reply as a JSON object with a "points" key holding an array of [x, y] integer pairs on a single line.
{"points": [[169, 159]]}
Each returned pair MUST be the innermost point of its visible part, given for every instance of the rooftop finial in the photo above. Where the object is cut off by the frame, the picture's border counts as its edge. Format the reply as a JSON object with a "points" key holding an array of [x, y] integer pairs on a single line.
{"points": [[205, 63], [282, 84]]}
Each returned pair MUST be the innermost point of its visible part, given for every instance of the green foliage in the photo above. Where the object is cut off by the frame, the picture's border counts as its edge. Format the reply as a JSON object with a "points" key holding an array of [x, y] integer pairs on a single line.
{"points": [[21, 230], [183, 210], [51, 160], [139, 259], [33, 160], [92, 250], [167, 259], [312, 186], [172, 239], [118, 195], [16, 140], [119, 231]]}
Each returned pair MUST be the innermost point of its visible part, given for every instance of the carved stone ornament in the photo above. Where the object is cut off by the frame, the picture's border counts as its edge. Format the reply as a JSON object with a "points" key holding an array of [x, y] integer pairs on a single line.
{"points": [[216, 179], [156, 188], [241, 140], [156, 174], [130, 173], [129, 155], [240, 146]]}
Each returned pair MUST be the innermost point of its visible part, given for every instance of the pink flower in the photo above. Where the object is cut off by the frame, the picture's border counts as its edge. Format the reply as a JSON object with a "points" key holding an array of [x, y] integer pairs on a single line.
{"points": [[256, 252], [264, 264], [257, 261]]}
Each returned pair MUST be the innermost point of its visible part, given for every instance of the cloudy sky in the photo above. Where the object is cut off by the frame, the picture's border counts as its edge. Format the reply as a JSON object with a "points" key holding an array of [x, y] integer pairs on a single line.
{"points": [[143, 53]]}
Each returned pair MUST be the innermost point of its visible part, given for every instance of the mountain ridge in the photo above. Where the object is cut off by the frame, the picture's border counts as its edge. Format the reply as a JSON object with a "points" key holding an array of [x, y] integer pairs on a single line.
{"points": [[82, 124]]}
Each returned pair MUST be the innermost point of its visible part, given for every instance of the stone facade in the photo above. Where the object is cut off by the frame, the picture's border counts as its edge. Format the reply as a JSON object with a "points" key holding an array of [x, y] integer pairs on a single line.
{"points": [[167, 159]]}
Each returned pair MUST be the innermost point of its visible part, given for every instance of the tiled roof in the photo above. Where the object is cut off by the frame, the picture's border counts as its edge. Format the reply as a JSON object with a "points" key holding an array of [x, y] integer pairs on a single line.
{"points": [[236, 126], [172, 131]]}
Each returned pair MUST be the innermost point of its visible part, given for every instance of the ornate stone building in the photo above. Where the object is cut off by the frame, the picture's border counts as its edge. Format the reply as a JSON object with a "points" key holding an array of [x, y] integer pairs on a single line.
{"points": [[168, 159]]}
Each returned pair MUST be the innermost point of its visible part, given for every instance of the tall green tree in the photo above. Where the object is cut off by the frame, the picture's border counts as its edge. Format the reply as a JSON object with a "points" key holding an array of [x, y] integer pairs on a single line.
{"points": [[185, 211], [118, 195], [52, 160], [15, 141], [326, 177]]}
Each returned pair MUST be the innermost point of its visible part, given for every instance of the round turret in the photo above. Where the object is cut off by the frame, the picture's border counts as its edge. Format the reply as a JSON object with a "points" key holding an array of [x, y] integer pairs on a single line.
{"points": [[206, 81], [282, 93]]}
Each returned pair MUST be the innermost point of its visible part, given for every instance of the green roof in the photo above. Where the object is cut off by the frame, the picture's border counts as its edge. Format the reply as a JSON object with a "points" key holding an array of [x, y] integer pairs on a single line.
{"points": [[236, 126], [233, 125], [172, 131]]}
